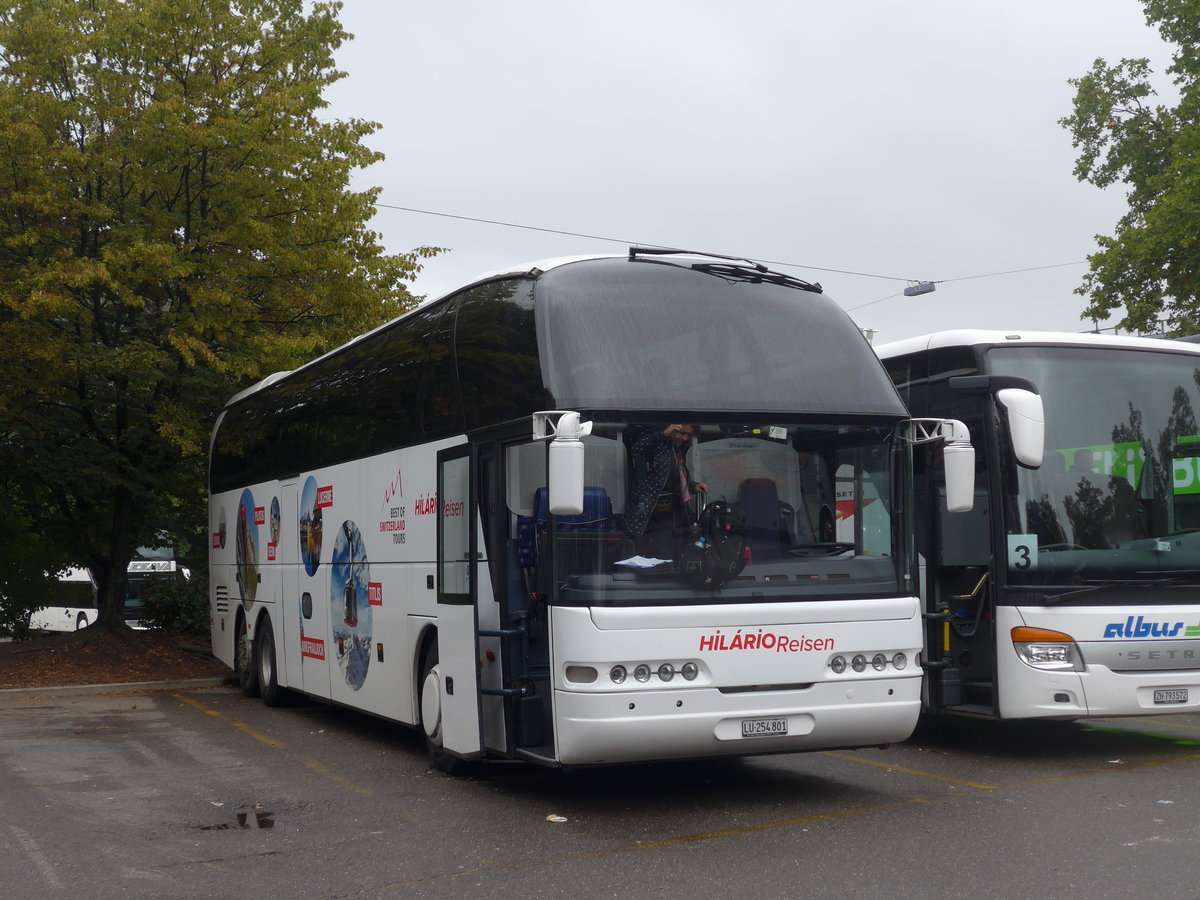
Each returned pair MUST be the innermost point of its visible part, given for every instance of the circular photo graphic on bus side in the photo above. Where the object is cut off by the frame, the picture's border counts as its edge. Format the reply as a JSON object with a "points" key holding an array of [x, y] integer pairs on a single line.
{"points": [[349, 604], [274, 520], [247, 549], [310, 527]]}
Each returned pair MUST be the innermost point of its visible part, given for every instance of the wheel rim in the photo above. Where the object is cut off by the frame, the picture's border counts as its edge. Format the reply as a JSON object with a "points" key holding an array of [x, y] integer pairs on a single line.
{"points": [[242, 650], [266, 660], [431, 705]]}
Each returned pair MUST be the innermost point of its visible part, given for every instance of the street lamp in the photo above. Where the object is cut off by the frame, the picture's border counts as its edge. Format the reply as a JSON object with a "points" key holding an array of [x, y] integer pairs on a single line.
{"points": [[919, 287]]}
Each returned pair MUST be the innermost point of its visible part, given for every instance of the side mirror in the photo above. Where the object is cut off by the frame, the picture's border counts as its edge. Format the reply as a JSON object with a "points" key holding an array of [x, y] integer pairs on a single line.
{"points": [[565, 473], [1026, 424], [958, 458]]}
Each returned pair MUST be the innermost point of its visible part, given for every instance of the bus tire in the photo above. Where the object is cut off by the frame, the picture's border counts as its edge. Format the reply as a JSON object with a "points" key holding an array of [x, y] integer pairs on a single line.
{"points": [[273, 694], [243, 660], [81, 622], [430, 706]]}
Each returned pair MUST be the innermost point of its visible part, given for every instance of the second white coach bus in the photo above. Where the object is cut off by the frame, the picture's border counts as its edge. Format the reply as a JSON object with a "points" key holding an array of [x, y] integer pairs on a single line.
{"points": [[1073, 588], [434, 523]]}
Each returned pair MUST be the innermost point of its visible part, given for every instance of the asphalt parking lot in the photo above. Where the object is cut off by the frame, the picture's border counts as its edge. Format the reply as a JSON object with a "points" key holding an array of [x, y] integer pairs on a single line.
{"points": [[191, 790]]}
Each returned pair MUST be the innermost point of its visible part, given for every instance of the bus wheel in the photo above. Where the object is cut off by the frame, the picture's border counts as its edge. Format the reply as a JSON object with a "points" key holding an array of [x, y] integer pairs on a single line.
{"points": [[80, 622], [264, 664], [243, 662], [431, 712]]}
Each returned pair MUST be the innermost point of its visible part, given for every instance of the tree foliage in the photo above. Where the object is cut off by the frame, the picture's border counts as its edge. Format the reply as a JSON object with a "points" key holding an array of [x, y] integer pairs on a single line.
{"points": [[1150, 265], [176, 222]]}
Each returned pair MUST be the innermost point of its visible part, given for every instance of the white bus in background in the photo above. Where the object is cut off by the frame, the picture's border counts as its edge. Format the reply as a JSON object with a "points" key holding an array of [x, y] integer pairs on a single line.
{"points": [[76, 592], [1073, 588], [426, 524]]}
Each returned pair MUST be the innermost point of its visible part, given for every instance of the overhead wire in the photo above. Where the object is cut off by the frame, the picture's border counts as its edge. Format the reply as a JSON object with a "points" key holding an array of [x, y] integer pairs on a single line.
{"points": [[612, 240], [773, 262]]}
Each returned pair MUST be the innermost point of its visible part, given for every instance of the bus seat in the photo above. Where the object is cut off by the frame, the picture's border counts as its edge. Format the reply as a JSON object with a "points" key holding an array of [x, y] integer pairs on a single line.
{"points": [[596, 511], [758, 499]]}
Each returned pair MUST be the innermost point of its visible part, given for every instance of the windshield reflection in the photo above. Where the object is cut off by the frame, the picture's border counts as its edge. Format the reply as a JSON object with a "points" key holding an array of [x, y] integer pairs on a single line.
{"points": [[1118, 492]]}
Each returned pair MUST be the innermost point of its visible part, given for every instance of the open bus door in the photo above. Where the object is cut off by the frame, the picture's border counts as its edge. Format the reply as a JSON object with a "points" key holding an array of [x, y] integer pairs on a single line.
{"points": [[457, 596]]}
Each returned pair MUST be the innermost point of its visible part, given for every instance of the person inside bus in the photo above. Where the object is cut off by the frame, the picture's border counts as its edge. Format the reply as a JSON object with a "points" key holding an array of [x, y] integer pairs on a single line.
{"points": [[656, 514]]}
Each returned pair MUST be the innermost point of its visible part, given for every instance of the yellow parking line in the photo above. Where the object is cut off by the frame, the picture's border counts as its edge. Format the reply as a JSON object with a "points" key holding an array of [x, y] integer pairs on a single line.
{"points": [[241, 726], [1115, 770], [765, 826], [894, 768], [318, 767]]}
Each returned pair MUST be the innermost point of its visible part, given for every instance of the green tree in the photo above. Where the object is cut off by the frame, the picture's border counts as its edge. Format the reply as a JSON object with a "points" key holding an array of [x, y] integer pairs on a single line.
{"points": [[1150, 266], [176, 222]]}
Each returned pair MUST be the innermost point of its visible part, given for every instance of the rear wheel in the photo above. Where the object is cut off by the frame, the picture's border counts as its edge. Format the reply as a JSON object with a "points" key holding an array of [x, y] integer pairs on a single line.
{"points": [[431, 712], [243, 662], [268, 676]]}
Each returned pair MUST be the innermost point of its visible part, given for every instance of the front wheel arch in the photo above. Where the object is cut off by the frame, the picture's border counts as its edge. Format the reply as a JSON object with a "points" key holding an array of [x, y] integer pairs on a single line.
{"points": [[429, 711]]}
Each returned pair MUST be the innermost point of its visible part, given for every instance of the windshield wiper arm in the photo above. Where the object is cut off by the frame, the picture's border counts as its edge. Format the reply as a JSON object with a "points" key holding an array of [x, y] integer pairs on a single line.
{"points": [[1096, 586]]}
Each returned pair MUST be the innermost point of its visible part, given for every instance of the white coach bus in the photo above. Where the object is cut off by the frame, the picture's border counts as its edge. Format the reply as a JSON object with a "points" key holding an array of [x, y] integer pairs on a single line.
{"points": [[1072, 588], [436, 523], [74, 604]]}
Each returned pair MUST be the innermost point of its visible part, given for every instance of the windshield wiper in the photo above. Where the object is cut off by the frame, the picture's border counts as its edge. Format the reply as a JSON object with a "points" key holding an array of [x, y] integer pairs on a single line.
{"points": [[1095, 586], [735, 268], [826, 548]]}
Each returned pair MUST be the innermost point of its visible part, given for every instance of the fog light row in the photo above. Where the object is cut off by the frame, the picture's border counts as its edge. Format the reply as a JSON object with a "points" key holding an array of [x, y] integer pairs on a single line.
{"points": [[859, 662], [643, 672]]}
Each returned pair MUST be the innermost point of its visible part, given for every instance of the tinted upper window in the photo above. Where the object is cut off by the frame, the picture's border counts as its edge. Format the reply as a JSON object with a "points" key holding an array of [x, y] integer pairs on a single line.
{"points": [[652, 335], [496, 347]]}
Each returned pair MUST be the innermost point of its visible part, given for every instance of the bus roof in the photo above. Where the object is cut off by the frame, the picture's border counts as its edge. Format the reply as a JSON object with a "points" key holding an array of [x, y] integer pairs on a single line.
{"points": [[967, 337], [852, 387]]}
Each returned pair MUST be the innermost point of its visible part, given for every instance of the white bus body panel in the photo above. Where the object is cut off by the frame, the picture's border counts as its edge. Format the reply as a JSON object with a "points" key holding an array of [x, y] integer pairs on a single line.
{"points": [[1105, 687], [378, 516], [785, 675], [63, 618]]}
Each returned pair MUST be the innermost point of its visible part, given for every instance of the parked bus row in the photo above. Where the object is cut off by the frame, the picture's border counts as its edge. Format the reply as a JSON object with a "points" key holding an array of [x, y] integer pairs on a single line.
{"points": [[671, 506]]}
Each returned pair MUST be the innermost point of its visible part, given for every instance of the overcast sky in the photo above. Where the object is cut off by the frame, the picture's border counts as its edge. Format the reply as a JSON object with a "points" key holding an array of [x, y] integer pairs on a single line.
{"points": [[910, 140]]}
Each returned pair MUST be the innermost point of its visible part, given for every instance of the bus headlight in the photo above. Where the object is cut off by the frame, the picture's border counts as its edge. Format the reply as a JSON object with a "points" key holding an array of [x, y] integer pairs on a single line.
{"points": [[1041, 648], [838, 664], [666, 671], [899, 661], [689, 671], [878, 662], [617, 674], [642, 673], [859, 663]]}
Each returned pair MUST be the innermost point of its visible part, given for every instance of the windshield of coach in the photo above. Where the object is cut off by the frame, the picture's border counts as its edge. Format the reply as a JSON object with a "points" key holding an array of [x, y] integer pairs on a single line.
{"points": [[1118, 492], [733, 514], [643, 335]]}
